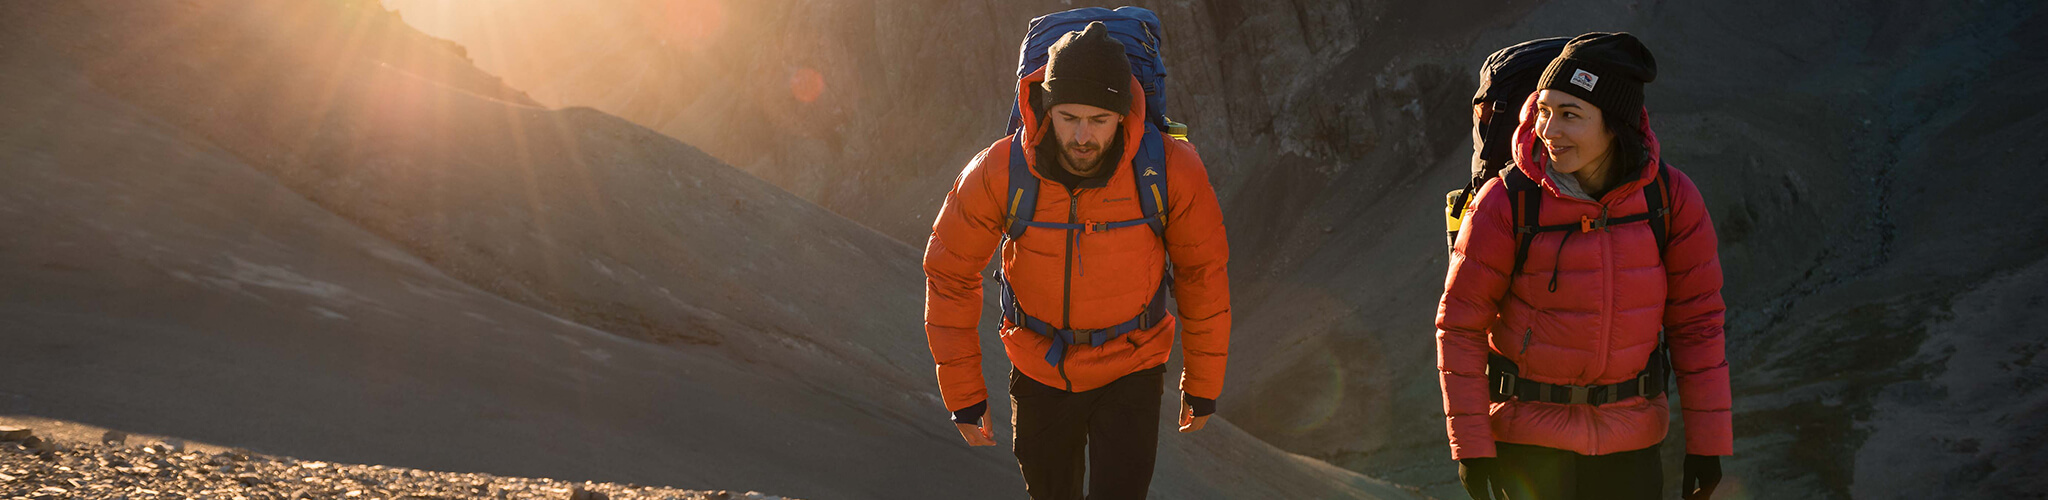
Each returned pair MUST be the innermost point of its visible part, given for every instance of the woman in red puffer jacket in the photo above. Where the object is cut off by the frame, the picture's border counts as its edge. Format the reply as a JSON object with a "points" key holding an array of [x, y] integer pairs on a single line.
{"points": [[1577, 320]]}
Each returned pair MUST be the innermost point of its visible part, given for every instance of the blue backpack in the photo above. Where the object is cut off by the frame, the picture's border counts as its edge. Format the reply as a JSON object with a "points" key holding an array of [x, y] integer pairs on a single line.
{"points": [[1138, 30]]}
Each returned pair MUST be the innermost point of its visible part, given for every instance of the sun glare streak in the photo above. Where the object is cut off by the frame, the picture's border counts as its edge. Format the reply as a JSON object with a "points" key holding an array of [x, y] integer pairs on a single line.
{"points": [[343, 57], [530, 174], [585, 180], [147, 43]]}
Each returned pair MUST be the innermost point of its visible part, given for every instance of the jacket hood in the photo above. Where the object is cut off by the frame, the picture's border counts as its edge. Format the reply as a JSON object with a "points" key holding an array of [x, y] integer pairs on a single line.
{"points": [[1035, 128], [1530, 159]]}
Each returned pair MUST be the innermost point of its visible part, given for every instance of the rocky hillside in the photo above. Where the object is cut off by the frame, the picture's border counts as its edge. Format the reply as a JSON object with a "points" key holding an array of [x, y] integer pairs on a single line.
{"points": [[1869, 166], [307, 229], [37, 464]]}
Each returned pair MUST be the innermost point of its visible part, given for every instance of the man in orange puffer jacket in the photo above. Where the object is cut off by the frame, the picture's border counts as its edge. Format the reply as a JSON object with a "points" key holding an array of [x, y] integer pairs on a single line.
{"points": [[1078, 384]]}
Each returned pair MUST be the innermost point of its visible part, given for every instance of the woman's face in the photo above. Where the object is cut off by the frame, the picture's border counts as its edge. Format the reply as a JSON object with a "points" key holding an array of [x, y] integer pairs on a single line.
{"points": [[1574, 133]]}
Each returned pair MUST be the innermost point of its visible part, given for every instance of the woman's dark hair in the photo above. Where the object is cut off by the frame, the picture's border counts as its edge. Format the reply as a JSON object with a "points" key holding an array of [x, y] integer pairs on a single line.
{"points": [[1631, 148]]}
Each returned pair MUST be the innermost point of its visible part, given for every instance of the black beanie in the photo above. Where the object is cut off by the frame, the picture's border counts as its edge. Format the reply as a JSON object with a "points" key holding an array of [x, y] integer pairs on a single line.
{"points": [[1606, 69], [1088, 67]]}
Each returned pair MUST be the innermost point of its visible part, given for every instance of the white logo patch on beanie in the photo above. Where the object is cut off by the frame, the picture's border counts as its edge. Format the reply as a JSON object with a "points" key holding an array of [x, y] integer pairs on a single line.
{"points": [[1585, 80]]}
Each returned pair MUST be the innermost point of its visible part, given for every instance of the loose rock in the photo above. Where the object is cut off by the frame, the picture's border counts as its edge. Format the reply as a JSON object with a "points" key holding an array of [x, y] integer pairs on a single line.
{"points": [[158, 472]]}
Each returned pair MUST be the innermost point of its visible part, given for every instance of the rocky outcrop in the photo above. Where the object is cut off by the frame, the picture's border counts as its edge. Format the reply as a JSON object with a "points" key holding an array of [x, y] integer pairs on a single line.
{"points": [[164, 471]]}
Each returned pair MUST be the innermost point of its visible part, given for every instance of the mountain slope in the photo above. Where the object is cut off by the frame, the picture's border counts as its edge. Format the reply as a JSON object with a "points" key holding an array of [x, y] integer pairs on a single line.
{"points": [[305, 228], [1866, 164]]}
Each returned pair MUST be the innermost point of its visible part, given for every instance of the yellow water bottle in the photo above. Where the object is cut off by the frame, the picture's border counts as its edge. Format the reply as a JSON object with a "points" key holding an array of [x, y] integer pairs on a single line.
{"points": [[1176, 129]]}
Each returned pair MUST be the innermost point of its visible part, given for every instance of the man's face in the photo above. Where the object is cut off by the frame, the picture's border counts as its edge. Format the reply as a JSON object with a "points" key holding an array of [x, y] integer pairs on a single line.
{"points": [[1084, 132]]}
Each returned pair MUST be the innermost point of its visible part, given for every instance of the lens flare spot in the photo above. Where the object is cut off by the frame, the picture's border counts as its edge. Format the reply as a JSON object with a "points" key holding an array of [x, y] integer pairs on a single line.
{"points": [[806, 84], [1323, 377], [1731, 489]]}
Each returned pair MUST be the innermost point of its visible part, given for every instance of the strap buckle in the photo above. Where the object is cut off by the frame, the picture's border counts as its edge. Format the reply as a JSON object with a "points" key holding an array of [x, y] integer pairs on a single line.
{"points": [[1094, 337], [1588, 224], [1092, 227], [1574, 394]]}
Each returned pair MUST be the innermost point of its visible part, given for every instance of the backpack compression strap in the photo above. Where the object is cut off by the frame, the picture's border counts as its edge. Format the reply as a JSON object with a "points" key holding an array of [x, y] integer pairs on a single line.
{"points": [[1023, 191], [1503, 378], [1149, 167], [1653, 196], [1155, 312], [1528, 204], [1504, 382]]}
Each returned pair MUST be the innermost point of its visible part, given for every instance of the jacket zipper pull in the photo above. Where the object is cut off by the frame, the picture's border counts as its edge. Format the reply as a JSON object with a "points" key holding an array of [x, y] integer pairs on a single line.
{"points": [[1079, 268], [1073, 209], [1558, 263]]}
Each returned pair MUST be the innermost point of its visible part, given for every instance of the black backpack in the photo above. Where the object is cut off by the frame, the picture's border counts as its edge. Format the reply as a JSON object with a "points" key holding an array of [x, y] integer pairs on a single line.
{"points": [[1505, 80]]}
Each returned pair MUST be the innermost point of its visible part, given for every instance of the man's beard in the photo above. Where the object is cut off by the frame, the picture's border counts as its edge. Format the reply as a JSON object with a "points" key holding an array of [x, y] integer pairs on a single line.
{"points": [[1090, 167]]}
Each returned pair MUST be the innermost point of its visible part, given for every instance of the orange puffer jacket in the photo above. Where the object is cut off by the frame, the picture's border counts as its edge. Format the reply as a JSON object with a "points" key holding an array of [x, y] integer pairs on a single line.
{"points": [[1093, 280], [1599, 326]]}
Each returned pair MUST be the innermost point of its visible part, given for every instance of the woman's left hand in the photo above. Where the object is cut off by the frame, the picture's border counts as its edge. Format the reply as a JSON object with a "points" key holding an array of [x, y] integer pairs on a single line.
{"points": [[1702, 474]]}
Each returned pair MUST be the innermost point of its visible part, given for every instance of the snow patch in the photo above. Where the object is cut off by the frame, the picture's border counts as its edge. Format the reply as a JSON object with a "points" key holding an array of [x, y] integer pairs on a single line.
{"points": [[278, 278], [326, 313]]}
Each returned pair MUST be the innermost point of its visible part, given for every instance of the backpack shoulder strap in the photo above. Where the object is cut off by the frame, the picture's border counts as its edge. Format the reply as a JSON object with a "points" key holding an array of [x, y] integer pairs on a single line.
{"points": [[1150, 167], [1527, 204], [1023, 195], [1660, 215]]}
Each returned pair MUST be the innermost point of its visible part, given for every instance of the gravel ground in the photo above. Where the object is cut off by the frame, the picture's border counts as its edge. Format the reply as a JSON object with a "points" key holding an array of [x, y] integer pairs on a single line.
{"points": [[35, 468]]}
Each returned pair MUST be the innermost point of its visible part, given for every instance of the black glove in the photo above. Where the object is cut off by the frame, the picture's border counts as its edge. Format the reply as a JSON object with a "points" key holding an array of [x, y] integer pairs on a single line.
{"points": [[1476, 473], [971, 415], [1702, 473], [1203, 406]]}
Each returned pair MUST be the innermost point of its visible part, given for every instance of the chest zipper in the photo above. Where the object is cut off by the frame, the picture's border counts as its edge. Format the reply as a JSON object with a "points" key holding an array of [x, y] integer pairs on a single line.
{"points": [[1067, 281]]}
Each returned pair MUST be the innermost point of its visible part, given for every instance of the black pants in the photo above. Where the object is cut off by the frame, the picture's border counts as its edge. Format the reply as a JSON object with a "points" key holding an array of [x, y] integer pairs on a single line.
{"points": [[1110, 432], [1539, 473]]}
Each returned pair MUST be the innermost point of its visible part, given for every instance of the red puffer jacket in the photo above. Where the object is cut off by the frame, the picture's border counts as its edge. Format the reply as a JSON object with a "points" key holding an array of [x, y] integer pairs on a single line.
{"points": [[1599, 327]]}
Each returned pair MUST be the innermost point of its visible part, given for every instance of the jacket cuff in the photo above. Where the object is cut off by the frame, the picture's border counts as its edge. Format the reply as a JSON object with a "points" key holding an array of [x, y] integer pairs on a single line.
{"points": [[1203, 406], [971, 415]]}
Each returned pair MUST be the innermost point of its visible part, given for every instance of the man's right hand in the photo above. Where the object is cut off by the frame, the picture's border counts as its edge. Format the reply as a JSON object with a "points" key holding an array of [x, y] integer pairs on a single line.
{"points": [[977, 435]]}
